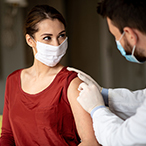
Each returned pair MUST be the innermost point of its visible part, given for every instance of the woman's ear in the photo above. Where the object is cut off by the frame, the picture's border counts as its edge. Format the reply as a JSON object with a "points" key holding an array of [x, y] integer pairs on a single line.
{"points": [[131, 35], [30, 41]]}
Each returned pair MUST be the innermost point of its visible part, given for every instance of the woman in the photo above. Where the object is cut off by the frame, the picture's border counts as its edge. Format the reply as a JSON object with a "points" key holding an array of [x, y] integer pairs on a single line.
{"points": [[40, 102]]}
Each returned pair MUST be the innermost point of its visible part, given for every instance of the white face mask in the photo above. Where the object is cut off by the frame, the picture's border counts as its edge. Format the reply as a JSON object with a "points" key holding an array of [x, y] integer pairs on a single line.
{"points": [[50, 55]]}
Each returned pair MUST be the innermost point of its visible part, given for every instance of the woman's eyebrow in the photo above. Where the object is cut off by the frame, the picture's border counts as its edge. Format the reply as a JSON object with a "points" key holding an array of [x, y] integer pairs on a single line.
{"points": [[62, 31], [49, 34]]}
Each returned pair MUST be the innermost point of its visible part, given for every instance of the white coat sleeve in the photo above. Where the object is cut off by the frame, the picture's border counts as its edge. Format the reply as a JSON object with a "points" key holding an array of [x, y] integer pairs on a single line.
{"points": [[124, 102], [110, 130]]}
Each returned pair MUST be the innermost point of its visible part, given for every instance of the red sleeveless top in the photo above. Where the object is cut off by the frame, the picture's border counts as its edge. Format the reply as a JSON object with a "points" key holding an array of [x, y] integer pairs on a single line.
{"points": [[42, 119]]}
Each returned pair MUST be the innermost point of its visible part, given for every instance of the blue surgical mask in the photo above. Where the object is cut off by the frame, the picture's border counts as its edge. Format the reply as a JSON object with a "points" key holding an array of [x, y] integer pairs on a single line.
{"points": [[131, 57]]}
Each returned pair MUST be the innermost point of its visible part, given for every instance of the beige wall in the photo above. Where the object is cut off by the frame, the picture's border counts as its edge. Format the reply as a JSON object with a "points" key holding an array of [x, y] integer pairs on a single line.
{"points": [[91, 47], [12, 54]]}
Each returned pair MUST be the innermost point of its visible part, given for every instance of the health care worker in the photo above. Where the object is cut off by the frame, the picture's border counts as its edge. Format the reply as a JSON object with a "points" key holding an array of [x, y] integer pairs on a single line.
{"points": [[124, 123]]}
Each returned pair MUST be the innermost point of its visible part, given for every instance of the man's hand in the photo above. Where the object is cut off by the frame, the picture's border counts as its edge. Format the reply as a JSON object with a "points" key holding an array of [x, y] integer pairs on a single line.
{"points": [[89, 97], [85, 78]]}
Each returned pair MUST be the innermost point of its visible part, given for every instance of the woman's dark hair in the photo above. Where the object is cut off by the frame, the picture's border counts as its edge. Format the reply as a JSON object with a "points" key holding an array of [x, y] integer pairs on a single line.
{"points": [[38, 14], [124, 13]]}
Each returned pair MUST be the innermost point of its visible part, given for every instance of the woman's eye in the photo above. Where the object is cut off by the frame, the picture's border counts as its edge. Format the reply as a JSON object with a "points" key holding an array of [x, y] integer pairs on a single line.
{"points": [[47, 38], [62, 35]]}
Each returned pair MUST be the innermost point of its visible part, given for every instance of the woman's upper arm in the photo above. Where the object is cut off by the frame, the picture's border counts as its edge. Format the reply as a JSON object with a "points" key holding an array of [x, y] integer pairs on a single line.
{"points": [[82, 118]]}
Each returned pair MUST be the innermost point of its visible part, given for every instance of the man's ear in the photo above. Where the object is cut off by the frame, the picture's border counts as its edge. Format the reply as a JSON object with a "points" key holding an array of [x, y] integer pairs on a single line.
{"points": [[131, 35], [29, 40]]}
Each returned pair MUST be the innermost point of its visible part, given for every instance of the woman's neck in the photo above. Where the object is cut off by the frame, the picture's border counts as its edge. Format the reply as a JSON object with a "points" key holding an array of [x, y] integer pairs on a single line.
{"points": [[39, 69]]}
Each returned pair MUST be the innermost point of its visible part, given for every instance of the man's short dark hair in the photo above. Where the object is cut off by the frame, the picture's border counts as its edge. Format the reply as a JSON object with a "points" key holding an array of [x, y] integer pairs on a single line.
{"points": [[124, 13]]}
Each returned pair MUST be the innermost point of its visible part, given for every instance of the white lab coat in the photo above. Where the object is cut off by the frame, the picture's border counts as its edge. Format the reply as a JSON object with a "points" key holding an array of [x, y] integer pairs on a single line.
{"points": [[127, 127]]}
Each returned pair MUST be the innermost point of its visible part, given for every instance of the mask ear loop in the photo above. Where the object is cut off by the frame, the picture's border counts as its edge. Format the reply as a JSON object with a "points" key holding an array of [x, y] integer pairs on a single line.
{"points": [[134, 47], [133, 50], [121, 36], [33, 39]]}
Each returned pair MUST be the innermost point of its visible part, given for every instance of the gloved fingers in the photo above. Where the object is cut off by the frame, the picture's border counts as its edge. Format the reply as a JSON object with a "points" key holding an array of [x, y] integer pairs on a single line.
{"points": [[78, 71], [74, 69], [84, 77], [84, 101], [79, 99], [82, 86], [87, 79]]}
